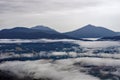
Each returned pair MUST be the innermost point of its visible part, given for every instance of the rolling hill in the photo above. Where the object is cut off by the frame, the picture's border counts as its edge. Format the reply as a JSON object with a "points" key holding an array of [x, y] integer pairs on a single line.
{"points": [[30, 33]]}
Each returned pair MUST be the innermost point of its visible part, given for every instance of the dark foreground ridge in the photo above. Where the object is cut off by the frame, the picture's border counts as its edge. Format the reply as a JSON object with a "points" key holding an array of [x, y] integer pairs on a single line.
{"points": [[6, 75]]}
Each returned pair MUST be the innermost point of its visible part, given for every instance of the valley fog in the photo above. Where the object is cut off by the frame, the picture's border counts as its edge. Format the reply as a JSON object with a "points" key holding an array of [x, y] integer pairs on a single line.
{"points": [[62, 59]]}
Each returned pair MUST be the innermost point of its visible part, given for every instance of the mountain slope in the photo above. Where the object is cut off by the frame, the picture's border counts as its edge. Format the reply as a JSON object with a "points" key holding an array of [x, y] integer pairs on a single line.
{"points": [[114, 38], [45, 29], [118, 33], [28, 33], [90, 31]]}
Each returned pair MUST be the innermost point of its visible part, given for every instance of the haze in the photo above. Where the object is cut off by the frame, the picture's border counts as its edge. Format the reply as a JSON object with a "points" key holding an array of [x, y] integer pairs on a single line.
{"points": [[62, 15]]}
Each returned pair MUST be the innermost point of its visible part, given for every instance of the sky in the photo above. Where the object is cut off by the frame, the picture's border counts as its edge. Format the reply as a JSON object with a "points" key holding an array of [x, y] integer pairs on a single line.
{"points": [[62, 15]]}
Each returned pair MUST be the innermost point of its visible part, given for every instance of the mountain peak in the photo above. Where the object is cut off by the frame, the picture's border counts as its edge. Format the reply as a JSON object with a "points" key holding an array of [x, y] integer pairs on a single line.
{"points": [[91, 31], [41, 27], [45, 28], [90, 26]]}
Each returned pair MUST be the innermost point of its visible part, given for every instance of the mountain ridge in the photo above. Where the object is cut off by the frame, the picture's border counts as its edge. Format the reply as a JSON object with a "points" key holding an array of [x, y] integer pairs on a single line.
{"points": [[45, 28], [40, 31], [29, 33], [91, 31]]}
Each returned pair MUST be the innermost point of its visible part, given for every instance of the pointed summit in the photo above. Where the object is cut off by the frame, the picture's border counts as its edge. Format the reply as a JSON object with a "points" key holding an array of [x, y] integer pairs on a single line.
{"points": [[89, 25], [91, 31]]}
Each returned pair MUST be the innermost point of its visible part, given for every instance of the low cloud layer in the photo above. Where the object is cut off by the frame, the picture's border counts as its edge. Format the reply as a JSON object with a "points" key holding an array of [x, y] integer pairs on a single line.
{"points": [[66, 69]]}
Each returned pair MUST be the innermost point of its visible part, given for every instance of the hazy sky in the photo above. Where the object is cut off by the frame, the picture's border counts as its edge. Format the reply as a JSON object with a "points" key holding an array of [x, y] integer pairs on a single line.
{"points": [[62, 15]]}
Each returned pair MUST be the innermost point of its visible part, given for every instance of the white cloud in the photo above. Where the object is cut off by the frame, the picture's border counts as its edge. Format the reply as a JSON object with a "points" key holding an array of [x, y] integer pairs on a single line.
{"points": [[60, 70], [60, 14]]}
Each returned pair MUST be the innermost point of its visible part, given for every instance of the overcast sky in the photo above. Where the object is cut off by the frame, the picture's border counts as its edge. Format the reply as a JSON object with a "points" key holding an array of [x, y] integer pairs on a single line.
{"points": [[62, 15]]}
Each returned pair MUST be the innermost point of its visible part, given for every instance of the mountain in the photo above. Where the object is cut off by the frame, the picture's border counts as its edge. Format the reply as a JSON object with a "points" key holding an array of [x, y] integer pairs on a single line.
{"points": [[29, 33], [91, 31], [118, 33], [45, 29]]}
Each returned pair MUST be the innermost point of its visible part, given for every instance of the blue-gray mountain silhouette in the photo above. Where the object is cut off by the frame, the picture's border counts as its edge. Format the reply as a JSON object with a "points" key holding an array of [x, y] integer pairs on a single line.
{"points": [[91, 31], [118, 33], [30, 33], [45, 29], [114, 38]]}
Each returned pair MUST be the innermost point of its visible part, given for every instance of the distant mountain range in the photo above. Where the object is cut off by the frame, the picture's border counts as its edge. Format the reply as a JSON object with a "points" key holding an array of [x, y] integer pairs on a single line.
{"points": [[91, 31], [32, 33], [38, 32]]}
